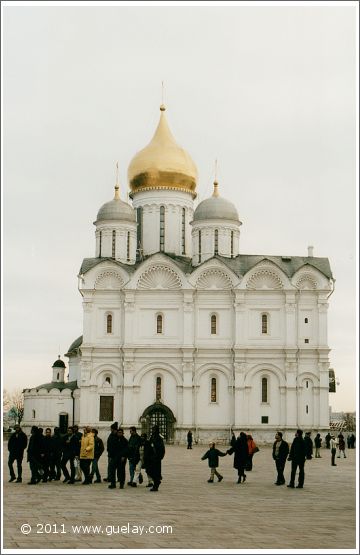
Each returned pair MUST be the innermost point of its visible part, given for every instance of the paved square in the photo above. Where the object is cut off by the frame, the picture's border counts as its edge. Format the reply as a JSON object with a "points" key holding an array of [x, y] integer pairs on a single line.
{"points": [[254, 515]]}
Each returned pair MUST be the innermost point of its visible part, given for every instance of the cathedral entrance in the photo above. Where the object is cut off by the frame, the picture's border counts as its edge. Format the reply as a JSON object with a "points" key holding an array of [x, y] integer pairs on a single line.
{"points": [[160, 415]]}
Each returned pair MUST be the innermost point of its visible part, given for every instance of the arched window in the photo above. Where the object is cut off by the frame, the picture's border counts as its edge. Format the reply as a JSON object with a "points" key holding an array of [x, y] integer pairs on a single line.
{"points": [[128, 246], [264, 323], [109, 323], [100, 243], [213, 392], [108, 380], [232, 244], [57, 376], [183, 231], [216, 241], [113, 245], [199, 245], [33, 413], [307, 409], [159, 323], [306, 320], [162, 228], [307, 383], [158, 389], [264, 390], [213, 324]]}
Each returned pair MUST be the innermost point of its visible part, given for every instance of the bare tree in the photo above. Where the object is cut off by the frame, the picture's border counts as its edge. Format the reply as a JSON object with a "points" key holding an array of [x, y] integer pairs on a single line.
{"points": [[15, 402]]}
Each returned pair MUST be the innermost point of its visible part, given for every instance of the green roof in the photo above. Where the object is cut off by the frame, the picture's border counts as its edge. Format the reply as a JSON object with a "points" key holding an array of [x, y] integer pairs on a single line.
{"points": [[56, 385]]}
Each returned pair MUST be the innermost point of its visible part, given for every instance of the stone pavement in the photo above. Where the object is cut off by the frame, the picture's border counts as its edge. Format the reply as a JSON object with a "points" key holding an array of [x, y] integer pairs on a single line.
{"points": [[254, 515]]}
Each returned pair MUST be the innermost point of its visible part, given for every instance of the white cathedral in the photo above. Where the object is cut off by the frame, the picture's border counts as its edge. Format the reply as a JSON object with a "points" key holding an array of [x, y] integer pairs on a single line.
{"points": [[183, 330]]}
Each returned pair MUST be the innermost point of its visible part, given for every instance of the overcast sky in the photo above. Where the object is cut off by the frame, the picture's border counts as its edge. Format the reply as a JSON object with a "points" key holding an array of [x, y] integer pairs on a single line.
{"points": [[268, 91]]}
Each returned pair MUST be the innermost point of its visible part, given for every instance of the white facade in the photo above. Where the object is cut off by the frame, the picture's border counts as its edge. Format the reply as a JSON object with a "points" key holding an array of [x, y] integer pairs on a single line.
{"points": [[225, 342]]}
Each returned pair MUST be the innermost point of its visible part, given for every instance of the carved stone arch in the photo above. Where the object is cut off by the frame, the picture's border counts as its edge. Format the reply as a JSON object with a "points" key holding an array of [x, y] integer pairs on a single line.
{"points": [[105, 369], [264, 370], [109, 279], [308, 376], [159, 276], [264, 278], [306, 281], [213, 278], [211, 368], [160, 367]]}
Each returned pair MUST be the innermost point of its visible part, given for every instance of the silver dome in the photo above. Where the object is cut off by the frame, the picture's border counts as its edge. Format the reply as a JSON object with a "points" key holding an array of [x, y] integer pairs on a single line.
{"points": [[116, 209], [216, 208]]}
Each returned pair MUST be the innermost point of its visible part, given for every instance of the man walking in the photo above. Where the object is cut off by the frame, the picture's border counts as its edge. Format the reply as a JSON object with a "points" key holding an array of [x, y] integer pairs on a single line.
{"points": [[16, 445], [297, 457], [280, 453]]}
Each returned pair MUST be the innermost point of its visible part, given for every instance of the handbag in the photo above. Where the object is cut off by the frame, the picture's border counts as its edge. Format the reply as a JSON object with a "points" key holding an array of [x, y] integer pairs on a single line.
{"points": [[256, 450]]}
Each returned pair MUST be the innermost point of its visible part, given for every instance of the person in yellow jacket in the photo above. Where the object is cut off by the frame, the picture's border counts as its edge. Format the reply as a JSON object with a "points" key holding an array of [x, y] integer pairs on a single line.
{"points": [[87, 449]]}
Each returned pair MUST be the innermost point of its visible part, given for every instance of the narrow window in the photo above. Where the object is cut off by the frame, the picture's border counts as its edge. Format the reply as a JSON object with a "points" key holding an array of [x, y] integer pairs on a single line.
{"points": [[158, 388], [183, 231], [264, 390], [159, 323], [199, 245], [162, 228], [33, 413], [128, 246], [216, 242], [306, 341], [113, 245], [100, 243], [213, 324], [307, 409], [57, 376], [306, 320], [264, 420], [213, 390], [139, 217], [106, 408], [307, 383], [232, 244], [109, 323], [264, 323]]}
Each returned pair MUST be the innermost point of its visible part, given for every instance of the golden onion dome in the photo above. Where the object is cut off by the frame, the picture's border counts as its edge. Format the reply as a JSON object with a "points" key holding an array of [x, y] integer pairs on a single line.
{"points": [[162, 164]]}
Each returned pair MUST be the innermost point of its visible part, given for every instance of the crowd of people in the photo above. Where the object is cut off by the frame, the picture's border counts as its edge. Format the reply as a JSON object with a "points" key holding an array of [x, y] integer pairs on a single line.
{"points": [[75, 455]]}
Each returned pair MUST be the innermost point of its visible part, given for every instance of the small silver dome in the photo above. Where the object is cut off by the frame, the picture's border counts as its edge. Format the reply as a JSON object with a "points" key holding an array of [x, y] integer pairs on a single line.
{"points": [[116, 209], [216, 208]]}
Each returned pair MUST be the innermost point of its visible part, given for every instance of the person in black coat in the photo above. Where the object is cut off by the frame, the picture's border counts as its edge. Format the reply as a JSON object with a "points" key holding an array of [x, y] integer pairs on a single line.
{"points": [[327, 440], [98, 451], [280, 453], [70, 445], [240, 448], [118, 452], [35, 454], [16, 445], [309, 446], [189, 439], [213, 455], [109, 443], [134, 456], [55, 463], [155, 456], [297, 457]]}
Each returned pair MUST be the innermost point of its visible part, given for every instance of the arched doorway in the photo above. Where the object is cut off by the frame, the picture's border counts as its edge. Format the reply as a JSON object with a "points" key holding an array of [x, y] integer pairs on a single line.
{"points": [[163, 417]]}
